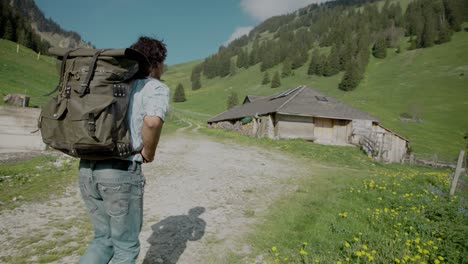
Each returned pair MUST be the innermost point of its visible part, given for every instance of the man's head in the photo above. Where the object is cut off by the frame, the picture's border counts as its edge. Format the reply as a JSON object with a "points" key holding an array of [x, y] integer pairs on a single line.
{"points": [[155, 51]]}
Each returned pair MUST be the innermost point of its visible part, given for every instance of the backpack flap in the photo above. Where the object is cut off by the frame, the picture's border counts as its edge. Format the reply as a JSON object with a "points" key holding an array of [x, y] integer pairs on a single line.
{"points": [[93, 119], [53, 130]]}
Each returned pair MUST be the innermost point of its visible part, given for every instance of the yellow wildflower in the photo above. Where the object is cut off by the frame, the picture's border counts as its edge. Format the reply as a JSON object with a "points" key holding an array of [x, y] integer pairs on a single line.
{"points": [[346, 244], [273, 248]]}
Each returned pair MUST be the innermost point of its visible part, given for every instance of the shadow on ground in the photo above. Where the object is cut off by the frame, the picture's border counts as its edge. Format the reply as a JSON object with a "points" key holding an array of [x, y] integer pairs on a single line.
{"points": [[170, 236]]}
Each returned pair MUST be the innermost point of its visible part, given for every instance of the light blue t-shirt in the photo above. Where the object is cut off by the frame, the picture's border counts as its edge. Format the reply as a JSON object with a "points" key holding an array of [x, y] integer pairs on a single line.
{"points": [[149, 97]]}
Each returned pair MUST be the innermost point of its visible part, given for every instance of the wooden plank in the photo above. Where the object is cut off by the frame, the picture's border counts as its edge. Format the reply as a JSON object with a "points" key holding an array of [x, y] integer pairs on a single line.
{"points": [[457, 172]]}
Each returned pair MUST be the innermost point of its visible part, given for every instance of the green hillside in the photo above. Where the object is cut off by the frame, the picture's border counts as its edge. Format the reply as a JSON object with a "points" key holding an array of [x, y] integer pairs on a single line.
{"points": [[24, 73], [431, 83]]}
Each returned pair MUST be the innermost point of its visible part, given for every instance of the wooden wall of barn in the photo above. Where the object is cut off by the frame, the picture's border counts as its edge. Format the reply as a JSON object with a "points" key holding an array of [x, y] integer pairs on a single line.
{"points": [[320, 130], [393, 147], [293, 126], [264, 126], [332, 131], [360, 128]]}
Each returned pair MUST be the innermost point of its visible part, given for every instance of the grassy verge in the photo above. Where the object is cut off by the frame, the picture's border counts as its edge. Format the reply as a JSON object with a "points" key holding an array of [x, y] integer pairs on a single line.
{"points": [[354, 210], [390, 216], [35, 180]]}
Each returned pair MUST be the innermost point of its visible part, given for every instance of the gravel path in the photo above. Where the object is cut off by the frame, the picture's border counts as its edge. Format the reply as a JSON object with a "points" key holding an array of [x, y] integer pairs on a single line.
{"points": [[201, 198]]}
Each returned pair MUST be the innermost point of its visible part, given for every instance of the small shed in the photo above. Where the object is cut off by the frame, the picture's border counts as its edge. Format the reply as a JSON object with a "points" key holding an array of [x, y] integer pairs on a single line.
{"points": [[302, 112]]}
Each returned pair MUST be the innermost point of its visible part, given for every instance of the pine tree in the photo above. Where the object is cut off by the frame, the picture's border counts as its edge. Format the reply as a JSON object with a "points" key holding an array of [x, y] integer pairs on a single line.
{"points": [[232, 100], [286, 69], [453, 12], [9, 32], [314, 60], [445, 34], [179, 94], [379, 50], [429, 34], [332, 65], [320, 66], [351, 77], [242, 59], [276, 81], [233, 68], [266, 78], [196, 84]]}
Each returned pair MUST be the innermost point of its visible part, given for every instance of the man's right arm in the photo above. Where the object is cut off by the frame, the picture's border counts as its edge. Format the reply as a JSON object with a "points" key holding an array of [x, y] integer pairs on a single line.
{"points": [[150, 133], [155, 104]]}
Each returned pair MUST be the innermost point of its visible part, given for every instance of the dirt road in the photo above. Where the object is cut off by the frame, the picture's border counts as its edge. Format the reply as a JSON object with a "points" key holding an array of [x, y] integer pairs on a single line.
{"points": [[201, 198]]}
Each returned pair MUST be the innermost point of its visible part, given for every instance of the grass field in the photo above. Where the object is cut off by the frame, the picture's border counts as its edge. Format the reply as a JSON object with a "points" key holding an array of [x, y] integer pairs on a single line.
{"points": [[23, 73], [35, 179]]}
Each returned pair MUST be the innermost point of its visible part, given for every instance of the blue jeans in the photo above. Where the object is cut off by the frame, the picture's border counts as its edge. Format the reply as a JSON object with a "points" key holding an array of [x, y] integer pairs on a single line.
{"points": [[113, 193]]}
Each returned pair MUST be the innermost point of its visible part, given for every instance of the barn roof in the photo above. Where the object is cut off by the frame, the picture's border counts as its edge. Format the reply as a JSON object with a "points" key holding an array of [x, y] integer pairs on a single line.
{"points": [[300, 100], [251, 98]]}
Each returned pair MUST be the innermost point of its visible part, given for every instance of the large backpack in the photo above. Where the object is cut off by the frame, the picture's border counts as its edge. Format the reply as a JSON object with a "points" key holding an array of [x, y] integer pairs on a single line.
{"points": [[87, 118]]}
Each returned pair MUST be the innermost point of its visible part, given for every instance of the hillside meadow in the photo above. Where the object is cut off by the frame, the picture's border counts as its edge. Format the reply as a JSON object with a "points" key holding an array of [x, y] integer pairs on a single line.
{"points": [[22, 72], [430, 84]]}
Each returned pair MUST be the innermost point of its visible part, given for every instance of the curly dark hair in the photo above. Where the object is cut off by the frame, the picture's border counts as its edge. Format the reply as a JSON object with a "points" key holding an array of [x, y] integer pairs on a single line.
{"points": [[155, 50]]}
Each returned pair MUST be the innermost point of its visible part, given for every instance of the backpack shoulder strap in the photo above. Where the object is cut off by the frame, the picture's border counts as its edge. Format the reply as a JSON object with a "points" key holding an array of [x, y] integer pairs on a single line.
{"points": [[62, 71], [92, 68]]}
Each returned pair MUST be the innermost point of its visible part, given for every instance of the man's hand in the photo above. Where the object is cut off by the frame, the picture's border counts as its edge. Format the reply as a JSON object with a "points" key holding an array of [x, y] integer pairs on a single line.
{"points": [[150, 133]]}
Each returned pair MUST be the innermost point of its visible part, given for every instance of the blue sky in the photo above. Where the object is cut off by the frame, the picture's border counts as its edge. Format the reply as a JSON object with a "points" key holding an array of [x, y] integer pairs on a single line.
{"points": [[192, 29]]}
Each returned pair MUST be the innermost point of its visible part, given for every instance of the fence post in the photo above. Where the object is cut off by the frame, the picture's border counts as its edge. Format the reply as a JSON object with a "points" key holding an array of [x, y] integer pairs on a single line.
{"points": [[411, 159], [435, 159], [457, 173]]}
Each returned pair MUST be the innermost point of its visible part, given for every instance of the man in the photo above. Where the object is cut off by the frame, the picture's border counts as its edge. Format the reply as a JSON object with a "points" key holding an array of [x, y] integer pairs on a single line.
{"points": [[113, 189]]}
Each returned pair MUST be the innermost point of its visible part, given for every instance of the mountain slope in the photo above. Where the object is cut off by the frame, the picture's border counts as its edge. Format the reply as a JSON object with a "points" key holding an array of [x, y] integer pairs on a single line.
{"points": [[430, 83], [48, 29]]}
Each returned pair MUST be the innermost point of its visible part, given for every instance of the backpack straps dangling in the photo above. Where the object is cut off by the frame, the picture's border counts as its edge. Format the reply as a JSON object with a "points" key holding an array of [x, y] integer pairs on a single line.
{"points": [[92, 68], [62, 71]]}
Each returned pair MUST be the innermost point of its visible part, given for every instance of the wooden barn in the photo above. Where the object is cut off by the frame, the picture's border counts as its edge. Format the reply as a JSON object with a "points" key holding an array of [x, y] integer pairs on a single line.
{"points": [[302, 112]]}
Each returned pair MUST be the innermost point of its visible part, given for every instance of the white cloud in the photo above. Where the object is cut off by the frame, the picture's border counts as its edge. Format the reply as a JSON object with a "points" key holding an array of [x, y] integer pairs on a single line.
{"points": [[238, 32], [263, 9]]}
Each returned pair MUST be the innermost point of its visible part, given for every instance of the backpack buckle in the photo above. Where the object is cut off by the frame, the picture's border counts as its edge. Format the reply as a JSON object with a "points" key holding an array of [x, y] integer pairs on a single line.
{"points": [[67, 91], [91, 125], [120, 90]]}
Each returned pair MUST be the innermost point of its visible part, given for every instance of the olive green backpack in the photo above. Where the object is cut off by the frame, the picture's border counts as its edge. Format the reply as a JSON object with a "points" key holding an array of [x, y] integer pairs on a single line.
{"points": [[87, 117]]}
